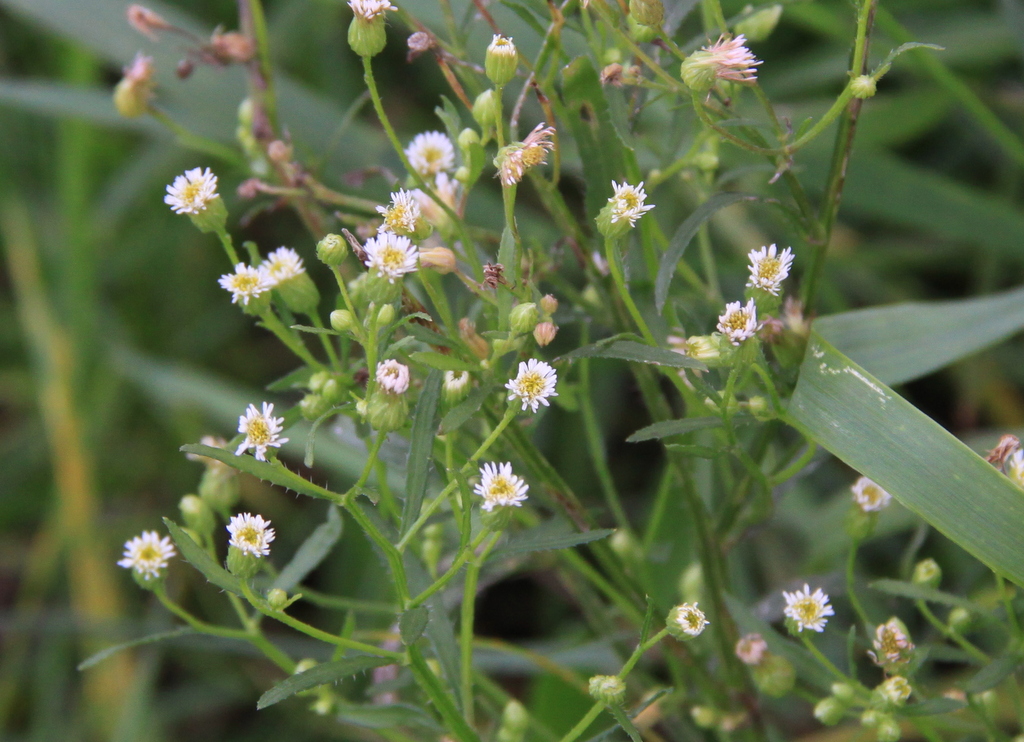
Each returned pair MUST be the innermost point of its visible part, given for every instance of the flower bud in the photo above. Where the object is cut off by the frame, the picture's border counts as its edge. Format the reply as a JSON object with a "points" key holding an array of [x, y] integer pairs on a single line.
{"points": [[774, 676], [135, 90], [514, 722], [686, 622], [960, 620], [649, 13], [609, 229], [544, 333], [759, 25], [844, 692], [312, 406], [456, 386], [863, 86], [342, 320], [496, 520], [548, 304], [640, 33], [829, 711], [367, 36], [760, 409], [858, 524], [501, 60], [478, 346], [893, 692], [705, 717], [379, 290], [242, 563], [386, 412], [332, 249], [887, 729], [440, 259], [277, 598], [213, 218], [523, 318], [697, 75], [299, 293], [608, 689], [386, 315], [197, 515], [928, 573], [467, 138], [485, 109]]}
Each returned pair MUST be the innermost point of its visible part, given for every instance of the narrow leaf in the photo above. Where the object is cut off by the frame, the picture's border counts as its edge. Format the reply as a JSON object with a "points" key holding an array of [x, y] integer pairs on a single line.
{"points": [[876, 432], [312, 552], [315, 330], [548, 536], [436, 360], [387, 716], [329, 672], [464, 410], [684, 234], [992, 674], [933, 706], [920, 592], [666, 428], [412, 624], [887, 62], [202, 561], [629, 350], [151, 639], [625, 723], [420, 448]]}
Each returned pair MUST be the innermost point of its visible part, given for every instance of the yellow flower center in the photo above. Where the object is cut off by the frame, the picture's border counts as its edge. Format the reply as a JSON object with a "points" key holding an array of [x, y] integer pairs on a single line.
{"points": [[692, 620], [248, 535], [768, 270], [258, 431], [500, 487], [533, 156], [628, 201], [148, 553], [872, 494], [736, 320], [433, 157], [807, 610], [397, 218], [531, 384], [392, 258], [245, 282], [191, 193]]}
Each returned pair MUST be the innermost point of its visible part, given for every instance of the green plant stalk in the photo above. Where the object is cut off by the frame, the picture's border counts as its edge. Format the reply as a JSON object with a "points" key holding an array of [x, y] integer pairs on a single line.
{"points": [[826, 662], [661, 502], [615, 266], [464, 555], [947, 632], [255, 23], [466, 618], [430, 685], [197, 143], [581, 726], [639, 652], [332, 354], [431, 284], [229, 247], [285, 335], [707, 259], [796, 466], [1011, 614], [851, 592], [714, 19]]}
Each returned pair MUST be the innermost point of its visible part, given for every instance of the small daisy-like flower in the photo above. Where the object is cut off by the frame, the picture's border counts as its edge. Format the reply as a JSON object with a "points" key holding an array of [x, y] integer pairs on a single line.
{"points": [[726, 59], [500, 487], [190, 193], [250, 534], [534, 383], [809, 610], [262, 430], [147, 554], [628, 203], [738, 322], [245, 283], [403, 213], [282, 264], [869, 496], [391, 255], [456, 382], [393, 376], [891, 644], [502, 46], [1015, 467], [688, 619], [370, 9], [896, 690], [768, 270], [517, 158], [751, 648], [430, 153]]}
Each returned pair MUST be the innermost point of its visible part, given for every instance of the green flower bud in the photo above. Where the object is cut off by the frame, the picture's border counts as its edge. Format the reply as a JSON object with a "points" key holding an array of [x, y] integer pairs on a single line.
{"points": [[219, 488], [608, 689], [313, 406], [367, 36], [258, 305], [887, 729], [760, 408], [317, 381], [147, 580], [299, 293], [380, 290], [333, 390], [829, 711], [342, 320], [892, 693], [305, 664], [485, 109], [386, 315], [514, 722], [706, 161], [523, 318], [242, 564], [640, 33], [456, 386], [686, 622], [927, 572], [497, 519], [432, 545], [386, 412], [197, 515], [844, 692], [863, 86], [649, 13], [501, 60], [467, 138], [774, 675], [332, 249], [549, 305], [277, 598], [759, 25], [960, 620], [697, 74], [609, 229]]}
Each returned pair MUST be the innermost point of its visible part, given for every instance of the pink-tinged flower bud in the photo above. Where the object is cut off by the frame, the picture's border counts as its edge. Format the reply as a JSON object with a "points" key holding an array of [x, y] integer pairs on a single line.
{"points": [[544, 333], [440, 259]]}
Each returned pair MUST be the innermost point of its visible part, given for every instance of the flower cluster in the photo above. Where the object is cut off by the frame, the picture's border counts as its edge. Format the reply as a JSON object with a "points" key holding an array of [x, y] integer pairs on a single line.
{"points": [[738, 322]]}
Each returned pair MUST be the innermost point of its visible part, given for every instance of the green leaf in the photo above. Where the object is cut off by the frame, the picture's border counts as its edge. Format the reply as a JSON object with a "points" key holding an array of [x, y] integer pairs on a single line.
{"points": [[666, 428], [387, 716], [553, 534], [920, 592], [412, 624], [887, 62], [315, 330], [420, 448], [328, 672], [906, 341], [701, 452], [464, 410], [275, 473], [629, 350], [202, 561], [684, 234], [443, 362], [992, 674], [876, 432], [427, 336], [151, 639], [933, 706], [625, 723], [312, 552]]}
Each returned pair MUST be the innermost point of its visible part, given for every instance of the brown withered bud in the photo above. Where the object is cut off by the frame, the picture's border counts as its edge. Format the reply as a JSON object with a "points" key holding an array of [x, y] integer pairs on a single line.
{"points": [[279, 152], [146, 22], [494, 274], [418, 43], [250, 188], [1006, 447], [184, 69], [232, 47], [356, 246], [467, 331], [612, 75], [544, 333], [771, 330]]}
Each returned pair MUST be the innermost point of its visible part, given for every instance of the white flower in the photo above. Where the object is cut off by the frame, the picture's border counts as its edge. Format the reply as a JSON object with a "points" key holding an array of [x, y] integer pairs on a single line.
{"points": [[502, 46], [896, 690], [190, 193], [751, 648], [534, 383], [768, 270], [1015, 467], [393, 376], [499, 486], [147, 554], [455, 382], [250, 534], [869, 496], [391, 255], [628, 203], [281, 265], [370, 9], [245, 283], [891, 643], [738, 322], [403, 213], [689, 618], [261, 429], [809, 610], [431, 152]]}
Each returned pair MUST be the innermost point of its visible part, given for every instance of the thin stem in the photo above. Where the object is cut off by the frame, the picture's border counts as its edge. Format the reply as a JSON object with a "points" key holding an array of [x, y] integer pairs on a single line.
{"points": [[639, 652], [332, 354], [851, 562], [714, 18], [615, 266], [466, 618], [797, 466], [822, 658], [582, 724], [461, 558], [595, 442], [286, 336], [950, 634], [229, 246]]}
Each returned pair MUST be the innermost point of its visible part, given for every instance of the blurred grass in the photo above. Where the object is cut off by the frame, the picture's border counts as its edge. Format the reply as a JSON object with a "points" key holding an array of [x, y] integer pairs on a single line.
{"points": [[108, 299]]}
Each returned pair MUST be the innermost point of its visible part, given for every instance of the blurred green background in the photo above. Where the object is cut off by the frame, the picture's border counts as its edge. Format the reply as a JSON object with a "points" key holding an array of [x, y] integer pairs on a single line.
{"points": [[117, 346]]}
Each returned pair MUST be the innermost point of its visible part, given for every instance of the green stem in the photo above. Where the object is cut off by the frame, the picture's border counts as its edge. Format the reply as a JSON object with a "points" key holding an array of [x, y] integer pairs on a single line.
{"points": [[851, 562], [461, 558], [714, 19], [639, 652], [332, 354], [264, 88], [954, 636], [197, 143], [229, 246], [797, 466], [582, 724], [286, 336], [615, 266], [466, 618], [823, 659], [430, 684], [595, 442]]}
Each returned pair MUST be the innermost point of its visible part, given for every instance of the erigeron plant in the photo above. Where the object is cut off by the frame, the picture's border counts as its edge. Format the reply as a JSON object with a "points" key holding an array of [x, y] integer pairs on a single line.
{"points": [[406, 352]]}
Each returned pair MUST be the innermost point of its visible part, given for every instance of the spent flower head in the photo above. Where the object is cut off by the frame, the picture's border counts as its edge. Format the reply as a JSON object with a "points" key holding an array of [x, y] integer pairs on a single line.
{"points": [[768, 269], [891, 644], [247, 282], [393, 377], [456, 384], [430, 153], [403, 214], [500, 487], [514, 160], [147, 554], [895, 690], [262, 431], [628, 203], [738, 322], [391, 255], [282, 264], [751, 648], [192, 192], [250, 534], [809, 610], [869, 496], [534, 383], [686, 621], [726, 59]]}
